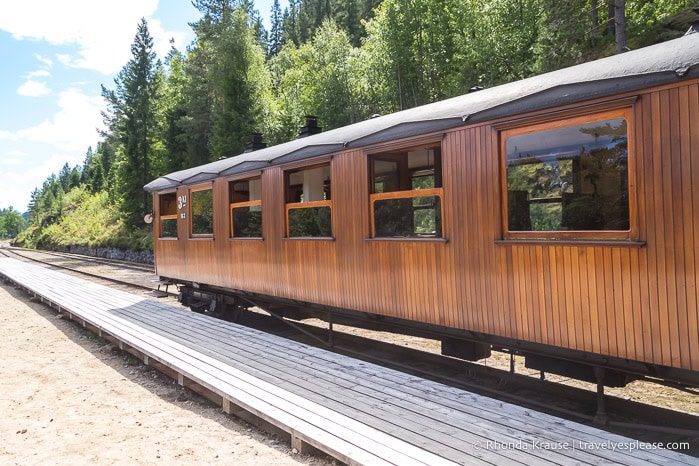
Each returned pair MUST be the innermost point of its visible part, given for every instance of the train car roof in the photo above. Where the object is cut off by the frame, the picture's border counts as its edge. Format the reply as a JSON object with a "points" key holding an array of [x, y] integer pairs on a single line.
{"points": [[650, 66]]}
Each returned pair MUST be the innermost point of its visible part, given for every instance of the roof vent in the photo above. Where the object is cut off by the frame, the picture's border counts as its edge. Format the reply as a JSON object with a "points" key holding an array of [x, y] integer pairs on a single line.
{"points": [[691, 18], [255, 143], [311, 127]]}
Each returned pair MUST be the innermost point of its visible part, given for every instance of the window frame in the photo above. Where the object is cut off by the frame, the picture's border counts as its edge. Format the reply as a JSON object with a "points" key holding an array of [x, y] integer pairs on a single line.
{"points": [[396, 152], [161, 217], [190, 192], [564, 121], [232, 205], [308, 204]]}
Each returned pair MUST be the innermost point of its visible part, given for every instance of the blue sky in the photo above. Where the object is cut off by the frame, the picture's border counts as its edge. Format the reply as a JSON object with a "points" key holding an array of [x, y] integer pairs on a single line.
{"points": [[55, 55]]}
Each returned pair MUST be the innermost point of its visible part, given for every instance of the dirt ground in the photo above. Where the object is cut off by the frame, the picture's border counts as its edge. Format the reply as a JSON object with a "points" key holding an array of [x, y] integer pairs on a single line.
{"points": [[69, 397]]}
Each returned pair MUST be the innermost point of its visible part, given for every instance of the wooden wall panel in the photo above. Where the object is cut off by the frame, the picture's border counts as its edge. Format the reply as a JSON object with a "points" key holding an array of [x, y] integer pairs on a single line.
{"points": [[666, 185], [351, 223], [656, 192], [677, 303], [630, 302], [455, 150], [653, 212], [689, 129], [682, 203], [597, 332], [643, 315]]}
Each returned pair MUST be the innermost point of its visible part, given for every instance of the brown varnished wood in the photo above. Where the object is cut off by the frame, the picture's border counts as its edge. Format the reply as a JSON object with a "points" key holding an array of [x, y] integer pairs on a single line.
{"points": [[453, 204], [649, 260], [601, 303], [690, 138], [584, 334], [627, 307], [593, 318], [679, 258], [687, 272], [658, 276], [636, 301], [672, 351]]}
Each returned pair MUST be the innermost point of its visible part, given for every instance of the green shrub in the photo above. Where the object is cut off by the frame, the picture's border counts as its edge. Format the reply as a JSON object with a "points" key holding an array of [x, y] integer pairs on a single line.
{"points": [[86, 220]]}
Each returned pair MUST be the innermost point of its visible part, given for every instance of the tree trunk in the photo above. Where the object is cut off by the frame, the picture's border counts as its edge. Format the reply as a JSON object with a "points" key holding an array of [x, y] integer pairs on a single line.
{"points": [[594, 6], [610, 17], [594, 27], [620, 25]]}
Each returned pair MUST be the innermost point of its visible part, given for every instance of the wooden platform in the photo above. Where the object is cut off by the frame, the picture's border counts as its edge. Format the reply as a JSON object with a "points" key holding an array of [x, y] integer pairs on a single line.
{"points": [[355, 411]]}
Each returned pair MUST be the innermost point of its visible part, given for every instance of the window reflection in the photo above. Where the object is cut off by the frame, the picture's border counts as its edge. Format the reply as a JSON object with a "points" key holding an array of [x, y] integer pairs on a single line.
{"points": [[406, 193], [308, 202], [310, 222], [571, 178], [168, 215], [246, 208], [202, 212], [247, 222]]}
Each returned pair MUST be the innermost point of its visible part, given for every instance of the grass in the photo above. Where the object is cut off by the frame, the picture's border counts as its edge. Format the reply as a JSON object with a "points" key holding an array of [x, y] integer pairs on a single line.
{"points": [[86, 220]]}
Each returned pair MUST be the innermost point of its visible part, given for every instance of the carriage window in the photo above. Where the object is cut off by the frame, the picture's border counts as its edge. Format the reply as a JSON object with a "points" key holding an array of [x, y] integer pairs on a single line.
{"points": [[202, 202], [168, 215], [246, 208], [308, 203], [406, 197], [571, 178]]}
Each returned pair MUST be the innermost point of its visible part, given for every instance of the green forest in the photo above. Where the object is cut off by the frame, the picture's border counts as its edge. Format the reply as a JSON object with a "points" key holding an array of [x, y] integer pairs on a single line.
{"points": [[12, 223], [340, 61]]}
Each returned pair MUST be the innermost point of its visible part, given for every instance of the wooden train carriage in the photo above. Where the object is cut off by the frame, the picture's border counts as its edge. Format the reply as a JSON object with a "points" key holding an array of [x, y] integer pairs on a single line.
{"points": [[554, 216]]}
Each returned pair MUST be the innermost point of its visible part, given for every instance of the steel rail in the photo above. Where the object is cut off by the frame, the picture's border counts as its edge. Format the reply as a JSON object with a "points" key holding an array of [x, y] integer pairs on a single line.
{"points": [[89, 274]]}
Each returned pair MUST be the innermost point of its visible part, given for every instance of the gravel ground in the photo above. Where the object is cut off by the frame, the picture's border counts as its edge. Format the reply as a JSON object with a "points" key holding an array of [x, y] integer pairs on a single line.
{"points": [[70, 397]]}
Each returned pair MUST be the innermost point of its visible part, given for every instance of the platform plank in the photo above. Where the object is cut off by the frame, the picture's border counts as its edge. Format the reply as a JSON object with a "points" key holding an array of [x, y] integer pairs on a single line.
{"points": [[400, 413], [356, 411], [525, 414], [439, 410]]}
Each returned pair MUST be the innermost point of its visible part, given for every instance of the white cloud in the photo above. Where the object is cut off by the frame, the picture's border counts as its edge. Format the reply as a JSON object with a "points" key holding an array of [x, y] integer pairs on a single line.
{"points": [[6, 161], [103, 33], [72, 130], [46, 61], [65, 59], [33, 88], [19, 182], [39, 74]]}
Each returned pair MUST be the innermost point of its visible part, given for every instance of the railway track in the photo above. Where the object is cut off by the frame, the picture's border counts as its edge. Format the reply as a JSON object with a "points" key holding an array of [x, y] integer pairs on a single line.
{"points": [[139, 276], [643, 421], [99, 260]]}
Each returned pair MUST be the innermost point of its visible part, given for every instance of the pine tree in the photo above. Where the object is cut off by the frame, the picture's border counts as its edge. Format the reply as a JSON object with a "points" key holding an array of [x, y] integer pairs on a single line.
{"points": [[174, 113], [368, 7], [221, 107], [215, 11], [275, 36], [33, 207], [234, 107], [290, 24], [196, 122], [64, 177], [107, 150], [132, 121]]}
